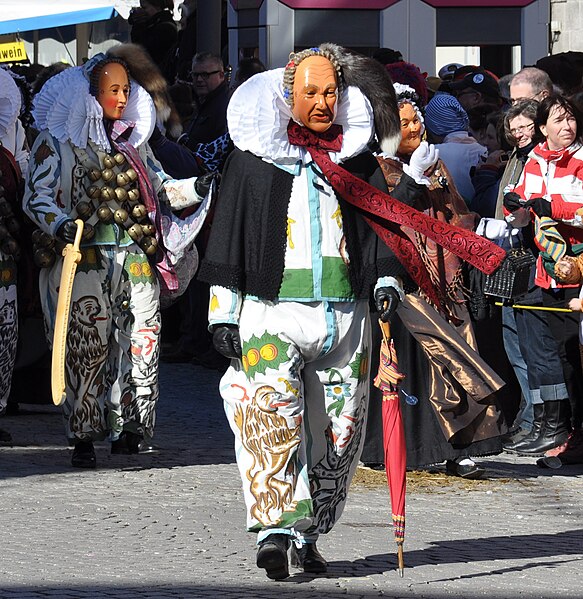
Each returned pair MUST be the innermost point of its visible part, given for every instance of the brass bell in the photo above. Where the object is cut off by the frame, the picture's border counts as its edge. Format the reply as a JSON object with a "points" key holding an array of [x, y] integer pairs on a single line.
{"points": [[94, 174], [120, 216], [13, 225], [10, 246], [107, 193], [149, 245], [93, 192], [107, 174], [104, 213], [46, 240], [44, 258], [5, 208], [148, 229], [84, 210], [139, 212], [36, 236], [122, 179], [133, 195], [119, 158], [88, 232], [108, 162], [135, 232], [121, 194], [131, 173]]}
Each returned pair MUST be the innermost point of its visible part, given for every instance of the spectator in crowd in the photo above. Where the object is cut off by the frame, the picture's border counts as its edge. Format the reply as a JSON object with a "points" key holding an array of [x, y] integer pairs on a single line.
{"points": [[456, 416], [487, 173], [447, 127], [246, 68], [103, 173], [531, 348], [476, 87], [153, 27], [530, 83], [552, 186], [203, 148]]}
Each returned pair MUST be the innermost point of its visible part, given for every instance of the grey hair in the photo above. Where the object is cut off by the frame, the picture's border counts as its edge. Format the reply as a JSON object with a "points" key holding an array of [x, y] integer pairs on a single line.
{"points": [[538, 79], [295, 58]]}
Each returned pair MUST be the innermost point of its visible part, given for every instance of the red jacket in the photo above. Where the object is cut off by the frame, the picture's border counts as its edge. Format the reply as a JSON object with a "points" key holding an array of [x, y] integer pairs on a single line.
{"points": [[558, 177]]}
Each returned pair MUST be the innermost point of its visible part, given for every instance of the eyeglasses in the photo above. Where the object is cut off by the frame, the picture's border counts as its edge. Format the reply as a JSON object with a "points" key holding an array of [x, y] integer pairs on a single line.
{"points": [[522, 129], [515, 101], [203, 74]]}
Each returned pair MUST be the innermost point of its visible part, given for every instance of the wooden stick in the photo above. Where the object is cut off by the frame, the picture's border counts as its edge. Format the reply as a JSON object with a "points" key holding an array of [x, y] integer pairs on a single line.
{"points": [[400, 559]]}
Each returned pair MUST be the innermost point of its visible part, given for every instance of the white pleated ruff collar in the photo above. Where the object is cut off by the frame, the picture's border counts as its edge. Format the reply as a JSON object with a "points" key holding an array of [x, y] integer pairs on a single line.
{"points": [[10, 102], [258, 117], [70, 113]]}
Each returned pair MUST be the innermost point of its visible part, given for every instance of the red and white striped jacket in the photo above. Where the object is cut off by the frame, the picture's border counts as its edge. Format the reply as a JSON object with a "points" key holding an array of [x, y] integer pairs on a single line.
{"points": [[556, 176]]}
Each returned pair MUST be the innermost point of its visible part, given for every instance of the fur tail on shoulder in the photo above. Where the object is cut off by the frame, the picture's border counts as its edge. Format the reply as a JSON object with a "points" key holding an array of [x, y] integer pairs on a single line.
{"points": [[148, 75], [374, 81]]}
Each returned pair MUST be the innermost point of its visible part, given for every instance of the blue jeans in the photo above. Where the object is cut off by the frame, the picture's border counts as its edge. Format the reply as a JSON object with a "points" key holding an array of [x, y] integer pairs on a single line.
{"points": [[512, 347]]}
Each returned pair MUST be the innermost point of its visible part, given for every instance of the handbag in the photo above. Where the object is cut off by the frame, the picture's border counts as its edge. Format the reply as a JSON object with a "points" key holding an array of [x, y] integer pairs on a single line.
{"points": [[511, 279]]}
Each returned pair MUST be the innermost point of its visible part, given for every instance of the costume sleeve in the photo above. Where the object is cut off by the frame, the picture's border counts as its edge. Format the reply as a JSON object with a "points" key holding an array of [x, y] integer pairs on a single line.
{"points": [[177, 193], [21, 154], [43, 185], [224, 306], [177, 160]]}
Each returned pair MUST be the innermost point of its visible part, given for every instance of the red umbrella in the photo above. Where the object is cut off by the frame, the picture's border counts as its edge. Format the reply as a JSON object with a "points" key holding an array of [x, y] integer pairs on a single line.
{"points": [[387, 380]]}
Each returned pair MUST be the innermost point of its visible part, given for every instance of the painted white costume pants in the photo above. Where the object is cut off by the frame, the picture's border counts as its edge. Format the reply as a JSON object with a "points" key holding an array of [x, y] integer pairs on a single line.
{"points": [[297, 405], [8, 326], [112, 342]]}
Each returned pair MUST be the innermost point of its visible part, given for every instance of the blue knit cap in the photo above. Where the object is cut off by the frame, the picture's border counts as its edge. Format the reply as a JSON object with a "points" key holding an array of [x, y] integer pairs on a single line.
{"points": [[444, 115]]}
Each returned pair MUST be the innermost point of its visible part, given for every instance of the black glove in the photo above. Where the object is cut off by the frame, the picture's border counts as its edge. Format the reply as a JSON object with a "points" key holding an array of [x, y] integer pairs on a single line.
{"points": [[512, 201], [540, 206], [67, 231], [386, 301], [227, 341], [202, 184]]}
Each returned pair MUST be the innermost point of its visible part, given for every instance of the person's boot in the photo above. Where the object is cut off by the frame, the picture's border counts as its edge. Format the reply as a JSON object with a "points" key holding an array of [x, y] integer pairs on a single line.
{"points": [[272, 556], [308, 558], [514, 446], [554, 432], [128, 443], [84, 455]]}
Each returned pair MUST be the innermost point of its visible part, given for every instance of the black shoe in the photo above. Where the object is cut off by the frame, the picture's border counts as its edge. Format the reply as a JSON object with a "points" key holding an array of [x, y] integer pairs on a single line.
{"points": [[5, 437], [308, 559], [272, 556], [147, 447], [127, 444], [84, 455], [469, 471]]}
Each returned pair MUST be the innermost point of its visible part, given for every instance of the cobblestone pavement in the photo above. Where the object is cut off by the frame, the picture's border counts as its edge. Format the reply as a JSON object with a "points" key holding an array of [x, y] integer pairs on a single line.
{"points": [[171, 524]]}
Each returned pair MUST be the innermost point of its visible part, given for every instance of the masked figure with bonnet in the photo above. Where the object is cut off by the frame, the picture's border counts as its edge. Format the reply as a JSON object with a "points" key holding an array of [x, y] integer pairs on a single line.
{"points": [[91, 162], [13, 157], [456, 416]]}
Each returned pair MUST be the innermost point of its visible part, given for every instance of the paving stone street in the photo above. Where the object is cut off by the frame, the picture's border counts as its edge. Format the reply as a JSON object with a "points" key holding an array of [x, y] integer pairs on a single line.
{"points": [[171, 524]]}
